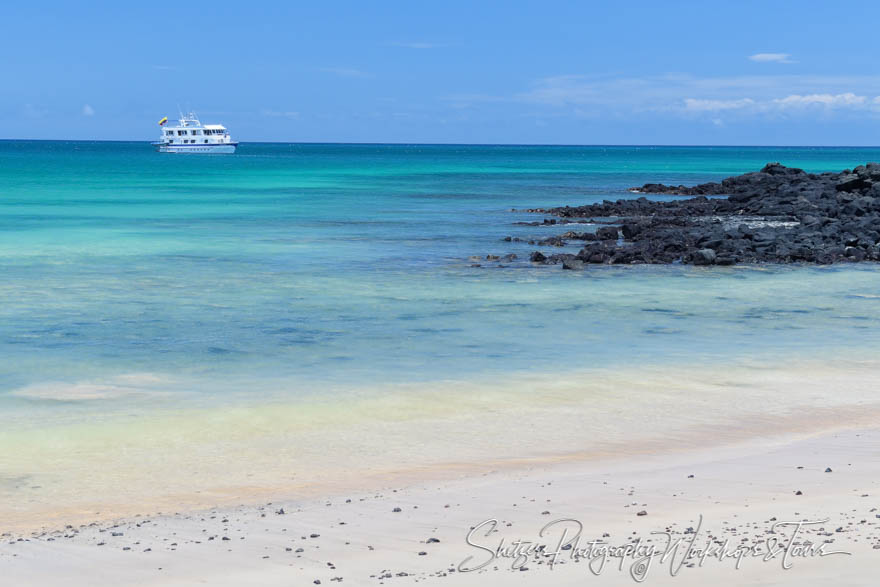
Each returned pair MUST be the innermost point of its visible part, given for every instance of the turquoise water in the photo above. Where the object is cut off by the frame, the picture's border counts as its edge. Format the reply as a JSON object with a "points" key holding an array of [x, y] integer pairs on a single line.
{"points": [[300, 269]]}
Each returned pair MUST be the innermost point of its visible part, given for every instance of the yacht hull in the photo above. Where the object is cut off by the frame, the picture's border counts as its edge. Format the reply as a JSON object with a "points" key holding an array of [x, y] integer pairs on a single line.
{"points": [[224, 148]]}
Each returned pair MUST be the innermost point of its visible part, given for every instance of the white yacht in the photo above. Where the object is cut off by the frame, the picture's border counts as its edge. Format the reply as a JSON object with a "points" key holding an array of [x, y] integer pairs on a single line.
{"points": [[191, 136]]}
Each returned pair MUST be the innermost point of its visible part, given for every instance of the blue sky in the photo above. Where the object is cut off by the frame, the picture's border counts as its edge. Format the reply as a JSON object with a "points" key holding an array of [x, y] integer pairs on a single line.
{"points": [[636, 72]]}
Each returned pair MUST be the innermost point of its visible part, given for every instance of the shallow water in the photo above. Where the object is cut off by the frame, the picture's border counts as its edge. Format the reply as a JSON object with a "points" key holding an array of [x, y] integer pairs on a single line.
{"points": [[349, 264]]}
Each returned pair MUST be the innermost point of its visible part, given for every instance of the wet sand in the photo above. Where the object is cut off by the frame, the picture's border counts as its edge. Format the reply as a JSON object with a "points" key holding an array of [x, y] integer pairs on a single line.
{"points": [[139, 459]]}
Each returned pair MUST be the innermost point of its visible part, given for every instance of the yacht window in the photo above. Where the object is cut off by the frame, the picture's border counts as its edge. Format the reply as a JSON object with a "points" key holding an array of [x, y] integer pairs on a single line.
{"points": [[206, 140], [195, 132]]}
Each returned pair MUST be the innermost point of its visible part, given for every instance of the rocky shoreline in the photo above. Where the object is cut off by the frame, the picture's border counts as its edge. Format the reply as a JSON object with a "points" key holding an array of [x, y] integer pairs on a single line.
{"points": [[776, 215]]}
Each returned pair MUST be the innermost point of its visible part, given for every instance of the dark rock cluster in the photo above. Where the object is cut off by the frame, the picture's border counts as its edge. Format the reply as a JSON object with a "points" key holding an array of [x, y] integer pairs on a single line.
{"points": [[776, 215]]}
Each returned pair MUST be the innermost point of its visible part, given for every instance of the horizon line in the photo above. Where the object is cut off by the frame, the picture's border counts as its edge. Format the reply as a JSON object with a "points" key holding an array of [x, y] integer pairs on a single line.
{"points": [[442, 144]]}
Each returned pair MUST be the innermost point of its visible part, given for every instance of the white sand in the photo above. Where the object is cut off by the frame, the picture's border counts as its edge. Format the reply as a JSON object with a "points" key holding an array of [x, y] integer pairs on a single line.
{"points": [[738, 489]]}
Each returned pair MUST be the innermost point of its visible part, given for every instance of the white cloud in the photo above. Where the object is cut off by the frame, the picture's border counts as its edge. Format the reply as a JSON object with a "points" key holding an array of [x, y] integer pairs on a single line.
{"points": [[682, 94], [846, 100], [790, 103], [345, 72], [715, 100], [88, 110], [697, 105], [772, 58]]}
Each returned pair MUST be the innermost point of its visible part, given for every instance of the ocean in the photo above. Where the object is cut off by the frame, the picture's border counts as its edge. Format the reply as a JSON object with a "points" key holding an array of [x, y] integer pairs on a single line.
{"points": [[135, 283]]}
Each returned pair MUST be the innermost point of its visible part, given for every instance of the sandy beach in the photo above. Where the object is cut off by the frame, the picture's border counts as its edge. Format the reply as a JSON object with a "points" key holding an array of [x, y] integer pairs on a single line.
{"points": [[707, 482], [418, 533]]}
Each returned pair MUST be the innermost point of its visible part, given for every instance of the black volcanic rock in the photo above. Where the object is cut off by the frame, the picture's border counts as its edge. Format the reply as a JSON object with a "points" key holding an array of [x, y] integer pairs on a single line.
{"points": [[607, 233], [704, 189], [704, 257], [776, 215]]}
